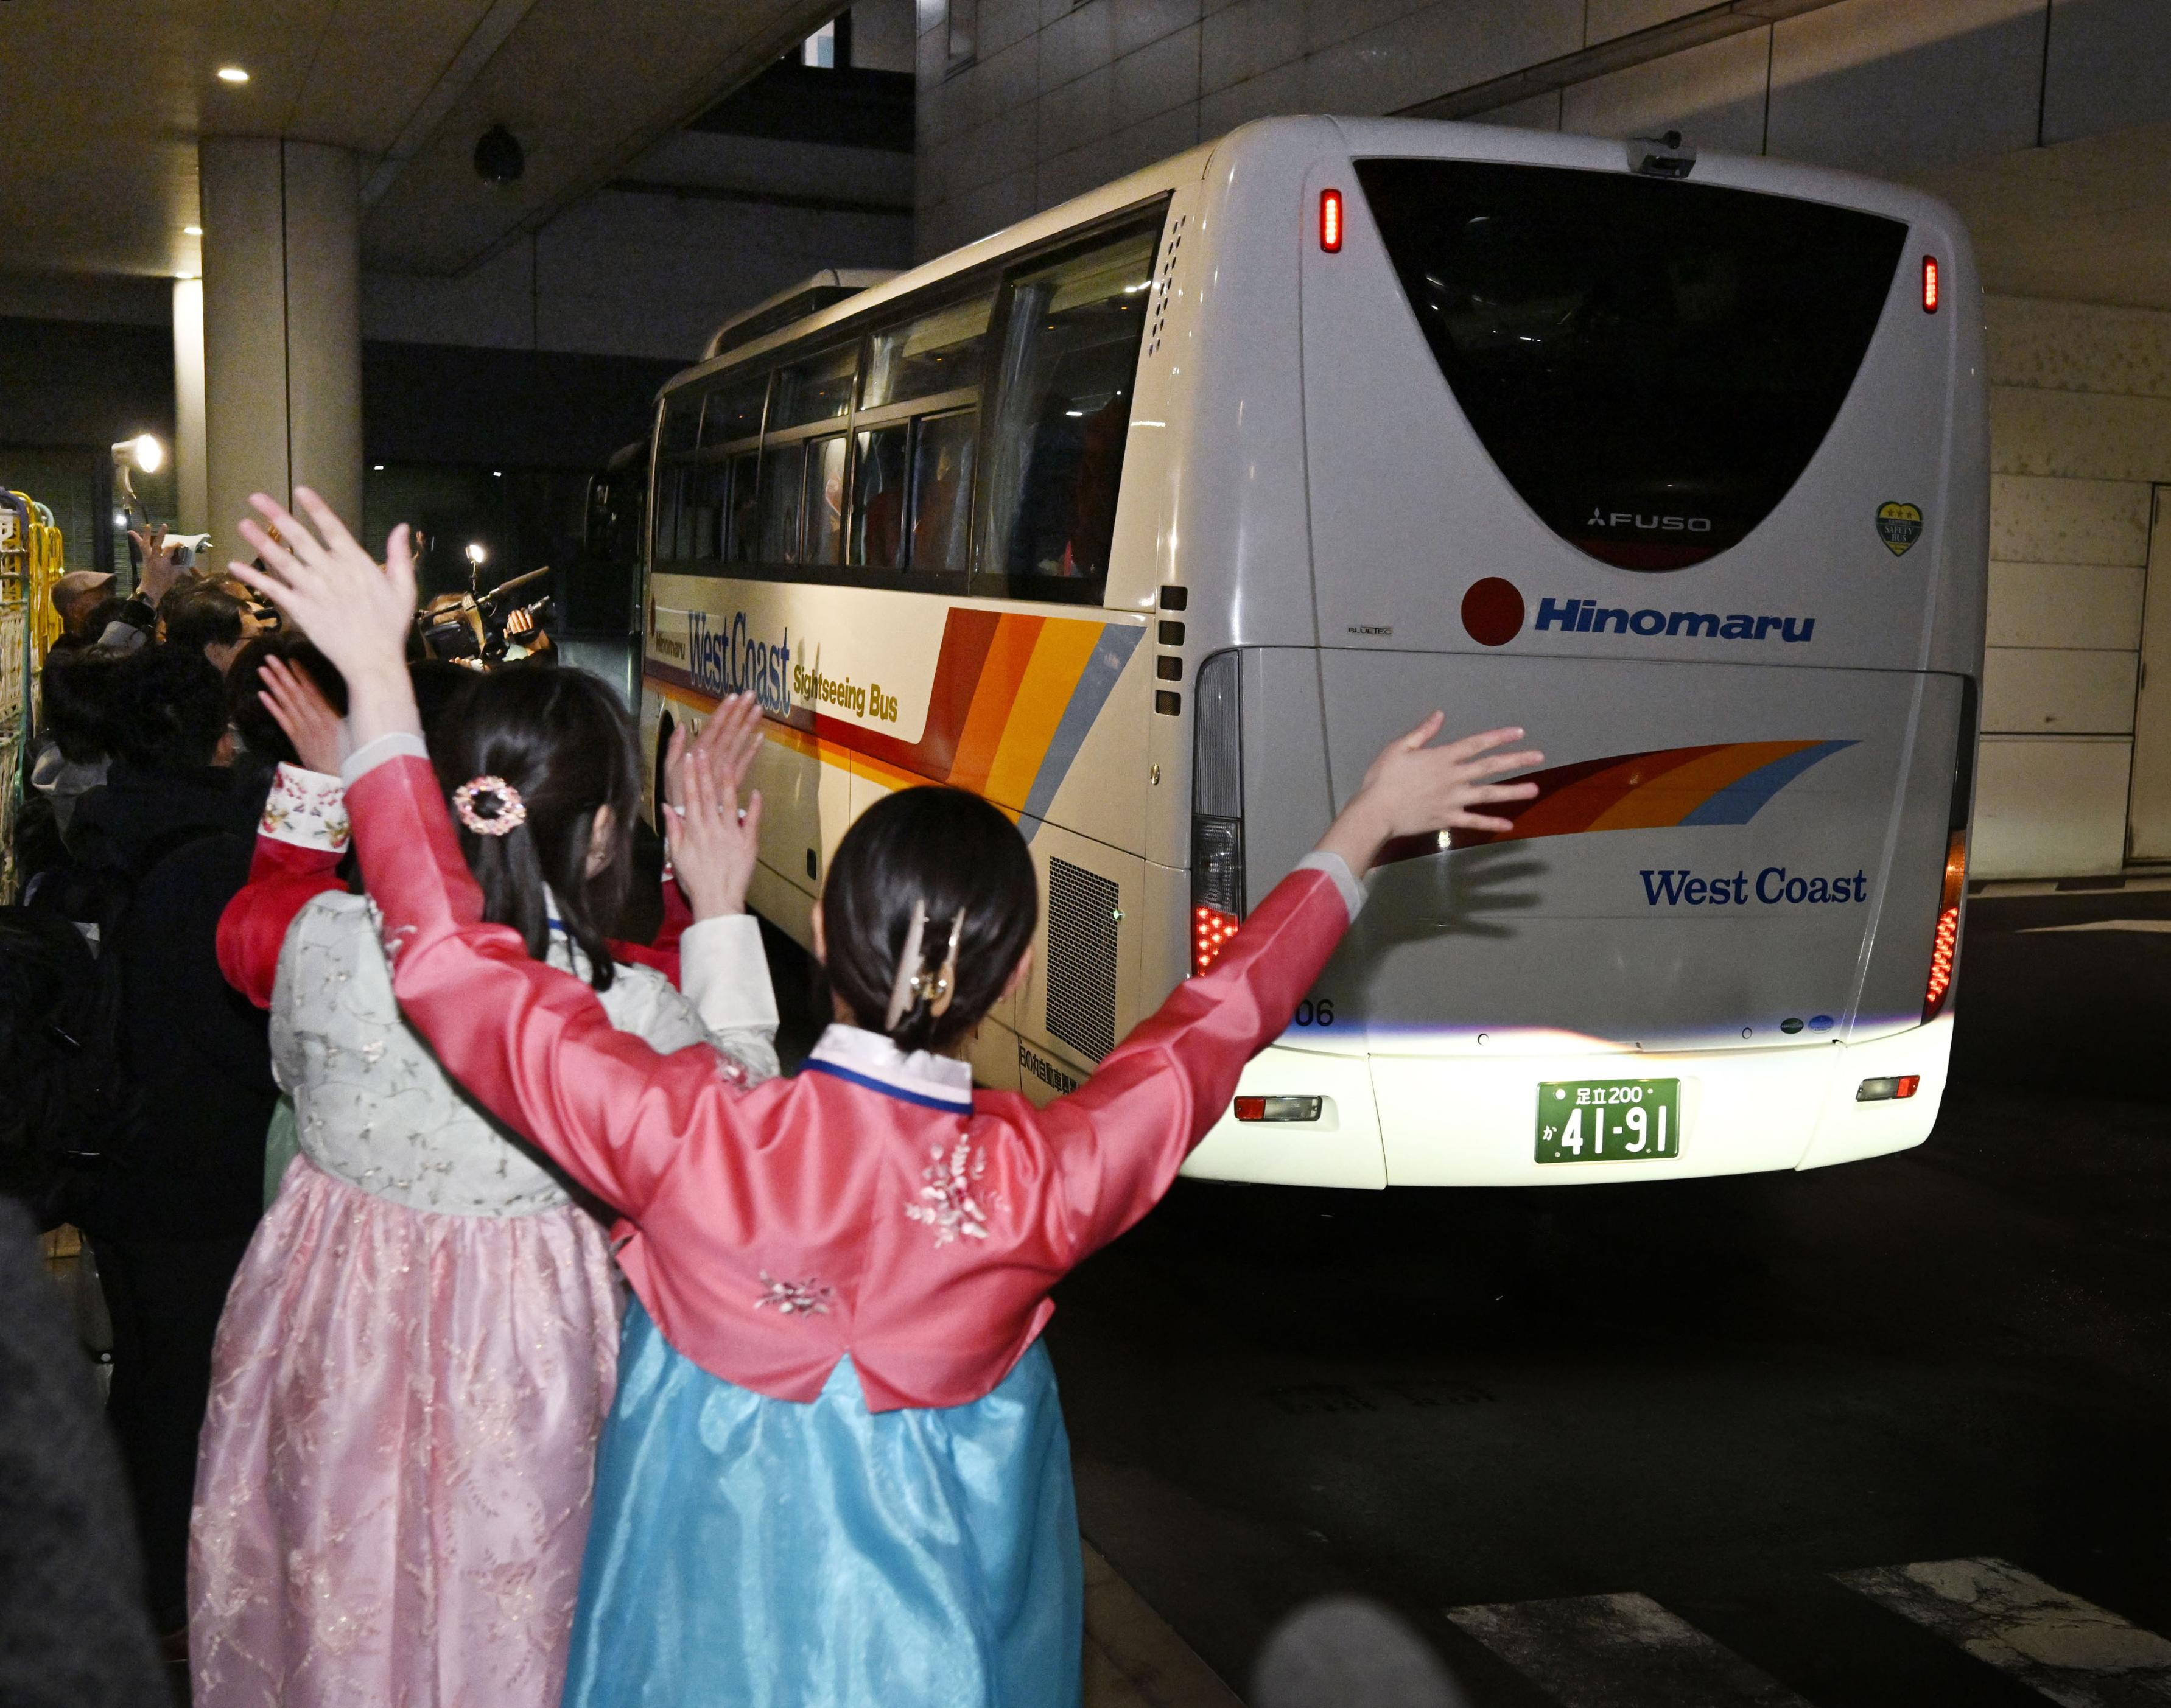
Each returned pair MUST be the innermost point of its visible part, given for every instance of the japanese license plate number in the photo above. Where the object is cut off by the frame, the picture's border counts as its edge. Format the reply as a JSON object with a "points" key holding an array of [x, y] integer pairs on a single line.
{"points": [[1609, 1120]]}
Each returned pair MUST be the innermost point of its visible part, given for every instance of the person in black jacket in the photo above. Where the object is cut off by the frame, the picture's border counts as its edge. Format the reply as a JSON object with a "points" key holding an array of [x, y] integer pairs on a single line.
{"points": [[72, 1633], [173, 1207]]}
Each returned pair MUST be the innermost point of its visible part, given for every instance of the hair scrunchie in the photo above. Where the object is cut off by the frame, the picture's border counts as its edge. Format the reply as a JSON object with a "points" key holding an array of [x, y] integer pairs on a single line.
{"points": [[507, 813]]}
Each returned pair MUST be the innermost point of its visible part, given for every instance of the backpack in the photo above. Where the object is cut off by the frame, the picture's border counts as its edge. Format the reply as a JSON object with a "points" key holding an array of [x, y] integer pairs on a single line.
{"points": [[59, 1030], [60, 1034]]}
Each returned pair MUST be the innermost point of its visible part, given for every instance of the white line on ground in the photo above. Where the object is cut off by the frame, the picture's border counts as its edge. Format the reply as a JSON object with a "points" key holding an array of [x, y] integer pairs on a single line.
{"points": [[1620, 1651], [2073, 1652]]}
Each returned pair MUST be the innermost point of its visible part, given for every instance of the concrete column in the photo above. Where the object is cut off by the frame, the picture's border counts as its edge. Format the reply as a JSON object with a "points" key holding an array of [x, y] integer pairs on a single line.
{"points": [[282, 324], [191, 478]]}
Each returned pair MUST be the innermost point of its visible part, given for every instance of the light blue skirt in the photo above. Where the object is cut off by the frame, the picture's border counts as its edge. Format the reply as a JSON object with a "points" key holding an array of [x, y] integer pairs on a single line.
{"points": [[765, 1554]]}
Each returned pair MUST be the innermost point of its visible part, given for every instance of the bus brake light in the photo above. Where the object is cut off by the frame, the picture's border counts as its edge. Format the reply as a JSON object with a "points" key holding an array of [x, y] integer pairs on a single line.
{"points": [[1211, 929], [1945, 944], [1929, 284], [1330, 221]]}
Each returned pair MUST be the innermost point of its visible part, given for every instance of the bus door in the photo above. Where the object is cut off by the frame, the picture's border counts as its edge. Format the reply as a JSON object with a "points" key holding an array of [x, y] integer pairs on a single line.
{"points": [[1640, 466]]}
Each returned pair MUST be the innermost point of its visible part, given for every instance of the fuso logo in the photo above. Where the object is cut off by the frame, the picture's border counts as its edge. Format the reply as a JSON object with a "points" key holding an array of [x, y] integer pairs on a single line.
{"points": [[1493, 611]]}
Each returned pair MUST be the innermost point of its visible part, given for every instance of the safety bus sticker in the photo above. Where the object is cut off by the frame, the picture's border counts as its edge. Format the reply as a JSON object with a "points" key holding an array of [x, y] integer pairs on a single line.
{"points": [[1898, 525]]}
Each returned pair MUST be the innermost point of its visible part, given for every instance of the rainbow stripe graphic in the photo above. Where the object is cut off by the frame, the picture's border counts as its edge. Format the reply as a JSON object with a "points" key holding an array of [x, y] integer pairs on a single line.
{"points": [[1667, 787], [1012, 700]]}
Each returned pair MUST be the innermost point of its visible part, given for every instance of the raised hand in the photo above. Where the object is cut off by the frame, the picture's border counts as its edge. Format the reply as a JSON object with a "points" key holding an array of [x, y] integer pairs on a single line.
{"points": [[358, 615], [713, 845], [298, 706], [159, 572], [1413, 788], [732, 738]]}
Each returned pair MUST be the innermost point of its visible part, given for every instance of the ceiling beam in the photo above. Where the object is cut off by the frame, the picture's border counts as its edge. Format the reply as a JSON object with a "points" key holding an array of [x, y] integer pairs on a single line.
{"points": [[1640, 47]]}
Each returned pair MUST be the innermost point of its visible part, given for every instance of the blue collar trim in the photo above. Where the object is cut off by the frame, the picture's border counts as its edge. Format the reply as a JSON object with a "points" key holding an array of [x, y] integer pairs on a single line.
{"points": [[947, 1106]]}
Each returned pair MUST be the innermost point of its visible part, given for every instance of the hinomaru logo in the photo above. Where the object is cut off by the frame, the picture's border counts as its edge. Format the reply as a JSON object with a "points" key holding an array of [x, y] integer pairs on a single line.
{"points": [[1494, 611]]}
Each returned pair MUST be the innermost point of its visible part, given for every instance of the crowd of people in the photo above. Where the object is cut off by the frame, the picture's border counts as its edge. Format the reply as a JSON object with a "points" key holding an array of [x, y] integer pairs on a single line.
{"points": [[492, 1323]]}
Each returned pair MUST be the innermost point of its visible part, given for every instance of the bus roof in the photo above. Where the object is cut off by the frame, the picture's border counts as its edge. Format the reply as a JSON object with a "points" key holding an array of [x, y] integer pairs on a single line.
{"points": [[1452, 138]]}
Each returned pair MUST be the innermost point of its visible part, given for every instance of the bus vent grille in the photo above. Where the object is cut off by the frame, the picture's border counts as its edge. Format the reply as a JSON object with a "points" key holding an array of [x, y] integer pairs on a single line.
{"points": [[1164, 283], [1082, 911]]}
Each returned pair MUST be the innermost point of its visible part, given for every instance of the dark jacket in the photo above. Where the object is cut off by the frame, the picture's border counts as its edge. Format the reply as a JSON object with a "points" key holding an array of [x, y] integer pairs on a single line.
{"points": [[189, 1161], [72, 1629]]}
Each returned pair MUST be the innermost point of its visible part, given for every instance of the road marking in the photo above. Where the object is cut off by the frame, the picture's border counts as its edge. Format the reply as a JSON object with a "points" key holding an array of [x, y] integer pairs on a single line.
{"points": [[1619, 1651], [2099, 925], [2075, 1652]]}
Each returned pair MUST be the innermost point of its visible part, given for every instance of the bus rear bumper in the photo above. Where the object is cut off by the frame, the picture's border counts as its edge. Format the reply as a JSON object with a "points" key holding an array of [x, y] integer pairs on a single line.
{"points": [[1453, 1121]]}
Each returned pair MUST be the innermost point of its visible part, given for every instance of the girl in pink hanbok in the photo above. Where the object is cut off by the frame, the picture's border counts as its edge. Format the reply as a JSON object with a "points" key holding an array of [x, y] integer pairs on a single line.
{"points": [[418, 1353], [835, 1474]]}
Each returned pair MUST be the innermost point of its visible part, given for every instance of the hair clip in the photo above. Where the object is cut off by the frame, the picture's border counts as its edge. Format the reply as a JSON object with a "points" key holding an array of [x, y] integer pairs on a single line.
{"points": [[945, 981], [906, 988], [914, 984], [508, 811]]}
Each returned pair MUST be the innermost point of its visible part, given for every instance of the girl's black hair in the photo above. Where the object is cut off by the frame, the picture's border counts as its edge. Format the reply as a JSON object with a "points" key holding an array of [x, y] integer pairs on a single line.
{"points": [[77, 693], [951, 851], [562, 738]]}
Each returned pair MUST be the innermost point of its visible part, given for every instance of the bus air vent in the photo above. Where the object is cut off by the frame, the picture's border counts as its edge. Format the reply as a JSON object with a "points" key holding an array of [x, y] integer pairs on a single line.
{"points": [[1083, 908]]}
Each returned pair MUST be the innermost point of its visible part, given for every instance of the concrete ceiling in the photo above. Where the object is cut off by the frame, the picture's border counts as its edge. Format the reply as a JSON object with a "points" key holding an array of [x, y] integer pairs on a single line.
{"points": [[104, 101], [2085, 221]]}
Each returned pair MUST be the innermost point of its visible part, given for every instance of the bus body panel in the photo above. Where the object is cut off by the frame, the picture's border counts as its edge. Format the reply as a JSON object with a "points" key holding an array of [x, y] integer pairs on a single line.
{"points": [[1302, 494]]}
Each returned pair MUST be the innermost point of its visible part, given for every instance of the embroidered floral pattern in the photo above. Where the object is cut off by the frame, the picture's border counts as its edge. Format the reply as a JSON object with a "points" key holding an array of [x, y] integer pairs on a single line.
{"points": [[945, 1203], [307, 810], [810, 1297]]}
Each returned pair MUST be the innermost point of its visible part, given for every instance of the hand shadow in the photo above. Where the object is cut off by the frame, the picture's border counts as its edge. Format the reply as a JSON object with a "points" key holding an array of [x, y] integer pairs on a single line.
{"points": [[1465, 893]]}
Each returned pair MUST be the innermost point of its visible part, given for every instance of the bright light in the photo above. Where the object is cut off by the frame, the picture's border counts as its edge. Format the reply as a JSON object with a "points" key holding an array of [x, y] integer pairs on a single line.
{"points": [[191, 231], [232, 74], [377, 468], [146, 453], [1929, 284], [1330, 219], [476, 554]]}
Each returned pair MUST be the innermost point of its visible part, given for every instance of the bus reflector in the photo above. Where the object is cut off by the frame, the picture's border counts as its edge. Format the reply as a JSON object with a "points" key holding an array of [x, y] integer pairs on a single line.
{"points": [[1945, 944], [1330, 219], [1211, 929], [1279, 1108], [1882, 1090], [1929, 284]]}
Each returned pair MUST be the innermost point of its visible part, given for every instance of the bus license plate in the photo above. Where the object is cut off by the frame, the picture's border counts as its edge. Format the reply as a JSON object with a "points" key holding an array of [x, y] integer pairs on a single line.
{"points": [[1609, 1120]]}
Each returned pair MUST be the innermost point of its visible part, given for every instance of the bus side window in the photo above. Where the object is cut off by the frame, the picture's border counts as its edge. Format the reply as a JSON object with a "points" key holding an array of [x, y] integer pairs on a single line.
{"points": [[675, 471], [746, 515], [878, 535], [777, 502], [1063, 414], [825, 498], [942, 489]]}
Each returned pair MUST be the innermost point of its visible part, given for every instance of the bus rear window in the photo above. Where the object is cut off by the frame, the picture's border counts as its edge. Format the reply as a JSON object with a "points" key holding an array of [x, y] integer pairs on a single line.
{"points": [[1651, 364]]}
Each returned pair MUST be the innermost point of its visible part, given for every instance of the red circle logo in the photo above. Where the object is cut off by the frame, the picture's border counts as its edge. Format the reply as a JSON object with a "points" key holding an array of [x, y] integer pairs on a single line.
{"points": [[1493, 611]]}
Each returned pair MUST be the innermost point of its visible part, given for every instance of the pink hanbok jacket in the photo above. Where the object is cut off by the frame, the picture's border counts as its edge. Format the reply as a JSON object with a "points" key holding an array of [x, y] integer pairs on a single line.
{"points": [[880, 1214]]}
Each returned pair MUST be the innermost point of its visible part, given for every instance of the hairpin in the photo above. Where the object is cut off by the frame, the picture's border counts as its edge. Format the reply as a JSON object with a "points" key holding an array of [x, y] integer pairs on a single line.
{"points": [[914, 984], [508, 811]]}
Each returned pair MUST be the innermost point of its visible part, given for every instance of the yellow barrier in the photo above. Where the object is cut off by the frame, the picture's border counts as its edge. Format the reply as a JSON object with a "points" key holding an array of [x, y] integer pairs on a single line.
{"points": [[47, 564]]}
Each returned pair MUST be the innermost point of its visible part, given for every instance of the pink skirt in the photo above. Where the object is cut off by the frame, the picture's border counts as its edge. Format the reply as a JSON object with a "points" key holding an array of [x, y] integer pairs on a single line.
{"points": [[392, 1492]]}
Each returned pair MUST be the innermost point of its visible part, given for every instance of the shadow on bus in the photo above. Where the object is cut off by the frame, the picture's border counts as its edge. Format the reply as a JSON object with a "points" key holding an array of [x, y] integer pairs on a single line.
{"points": [[1469, 896]]}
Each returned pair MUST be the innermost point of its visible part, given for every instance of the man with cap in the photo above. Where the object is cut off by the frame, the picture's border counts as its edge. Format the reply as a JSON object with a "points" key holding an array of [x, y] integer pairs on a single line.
{"points": [[76, 595]]}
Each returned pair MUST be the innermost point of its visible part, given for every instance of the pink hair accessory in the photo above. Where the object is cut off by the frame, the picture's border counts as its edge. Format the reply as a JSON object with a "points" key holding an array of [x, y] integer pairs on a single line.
{"points": [[508, 811]]}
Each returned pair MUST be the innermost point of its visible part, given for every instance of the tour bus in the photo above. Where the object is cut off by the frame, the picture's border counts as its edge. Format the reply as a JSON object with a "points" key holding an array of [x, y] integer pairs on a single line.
{"points": [[1152, 518]]}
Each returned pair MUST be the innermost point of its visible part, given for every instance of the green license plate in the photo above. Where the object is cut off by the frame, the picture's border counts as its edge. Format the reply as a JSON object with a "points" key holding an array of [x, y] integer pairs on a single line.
{"points": [[1609, 1120]]}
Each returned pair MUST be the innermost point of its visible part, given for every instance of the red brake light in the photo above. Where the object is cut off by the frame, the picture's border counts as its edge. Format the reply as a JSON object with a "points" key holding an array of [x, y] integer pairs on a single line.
{"points": [[1211, 929], [1330, 219], [1944, 946], [1929, 284]]}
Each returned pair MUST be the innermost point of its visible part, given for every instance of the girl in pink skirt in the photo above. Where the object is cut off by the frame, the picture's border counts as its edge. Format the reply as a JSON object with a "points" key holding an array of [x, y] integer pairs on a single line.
{"points": [[420, 1350]]}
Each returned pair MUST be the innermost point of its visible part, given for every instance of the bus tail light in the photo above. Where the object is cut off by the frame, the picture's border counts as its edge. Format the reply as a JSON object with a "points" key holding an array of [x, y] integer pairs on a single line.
{"points": [[1882, 1090], [1217, 808], [1330, 221], [1930, 290], [1945, 944], [1217, 882], [1279, 1108]]}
